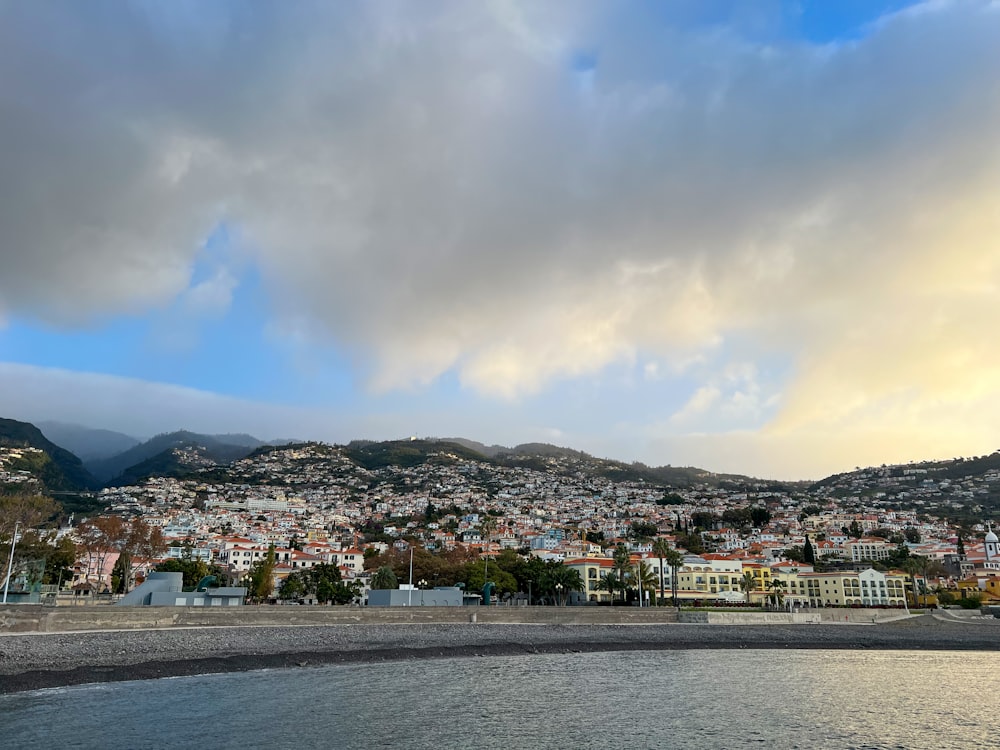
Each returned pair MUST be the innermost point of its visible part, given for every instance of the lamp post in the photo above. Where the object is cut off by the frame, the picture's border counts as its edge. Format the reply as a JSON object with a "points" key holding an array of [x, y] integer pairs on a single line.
{"points": [[409, 595], [638, 582], [10, 562], [559, 588]]}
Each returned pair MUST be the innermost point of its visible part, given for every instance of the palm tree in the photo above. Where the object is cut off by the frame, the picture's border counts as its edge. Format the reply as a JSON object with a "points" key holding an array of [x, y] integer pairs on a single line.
{"points": [[644, 579], [777, 587], [912, 566], [622, 564], [384, 578], [558, 579], [747, 585], [674, 559], [661, 548], [609, 582]]}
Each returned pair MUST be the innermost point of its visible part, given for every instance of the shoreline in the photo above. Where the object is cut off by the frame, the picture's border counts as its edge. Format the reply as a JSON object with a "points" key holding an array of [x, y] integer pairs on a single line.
{"points": [[39, 661]]}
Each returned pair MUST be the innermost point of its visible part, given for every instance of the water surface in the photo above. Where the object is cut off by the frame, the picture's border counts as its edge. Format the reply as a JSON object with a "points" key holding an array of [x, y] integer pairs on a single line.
{"points": [[664, 699]]}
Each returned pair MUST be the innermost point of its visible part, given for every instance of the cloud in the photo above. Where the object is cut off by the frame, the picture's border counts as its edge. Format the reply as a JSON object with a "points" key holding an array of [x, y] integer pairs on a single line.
{"points": [[143, 408], [431, 188]]}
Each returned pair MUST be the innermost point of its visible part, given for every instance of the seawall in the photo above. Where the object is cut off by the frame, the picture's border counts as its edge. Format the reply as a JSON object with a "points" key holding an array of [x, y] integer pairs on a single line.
{"points": [[39, 619], [812, 616]]}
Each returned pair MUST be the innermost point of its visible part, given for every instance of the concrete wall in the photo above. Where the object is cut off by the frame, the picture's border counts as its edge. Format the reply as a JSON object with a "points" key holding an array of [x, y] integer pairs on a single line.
{"points": [[39, 619], [793, 618], [750, 618]]}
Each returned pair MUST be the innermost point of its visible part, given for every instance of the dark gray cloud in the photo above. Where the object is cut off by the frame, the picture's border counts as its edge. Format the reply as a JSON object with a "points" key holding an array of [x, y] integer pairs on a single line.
{"points": [[435, 186]]}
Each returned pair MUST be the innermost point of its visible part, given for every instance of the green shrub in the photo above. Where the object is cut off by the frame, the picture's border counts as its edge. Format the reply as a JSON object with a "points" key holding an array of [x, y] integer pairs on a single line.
{"points": [[974, 601]]}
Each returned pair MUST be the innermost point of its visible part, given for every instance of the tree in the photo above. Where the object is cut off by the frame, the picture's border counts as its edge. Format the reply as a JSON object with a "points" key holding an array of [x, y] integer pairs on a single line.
{"points": [[338, 592], [60, 560], [384, 578], [912, 535], [476, 574], [100, 538], [262, 576], [760, 516], [777, 587], [960, 545], [674, 559], [609, 582], [748, 584], [736, 517], [808, 553], [645, 579], [191, 571], [139, 543], [621, 564], [293, 587], [559, 580], [24, 509], [795, 553], [692, 542], [643, 529], [661, 548], [704, 520]]}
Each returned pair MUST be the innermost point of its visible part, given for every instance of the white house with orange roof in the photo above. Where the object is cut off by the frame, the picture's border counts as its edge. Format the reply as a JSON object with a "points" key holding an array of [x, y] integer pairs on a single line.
{"points": [[352, 559]]}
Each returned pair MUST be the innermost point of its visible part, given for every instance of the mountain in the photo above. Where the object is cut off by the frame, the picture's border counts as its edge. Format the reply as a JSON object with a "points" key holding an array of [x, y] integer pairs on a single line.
{"points": [[87, 443], [487, 450], [59, 470], [244, 440], [405, 453], [535, 456], [173, 462], [212, 447]]}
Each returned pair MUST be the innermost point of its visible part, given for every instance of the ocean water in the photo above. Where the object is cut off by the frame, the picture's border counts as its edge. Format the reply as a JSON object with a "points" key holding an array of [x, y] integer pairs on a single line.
{"points": [[667, 699]]}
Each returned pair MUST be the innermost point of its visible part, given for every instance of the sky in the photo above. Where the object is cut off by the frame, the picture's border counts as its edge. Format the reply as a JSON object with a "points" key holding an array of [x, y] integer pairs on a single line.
{"points": [[752, 237]]}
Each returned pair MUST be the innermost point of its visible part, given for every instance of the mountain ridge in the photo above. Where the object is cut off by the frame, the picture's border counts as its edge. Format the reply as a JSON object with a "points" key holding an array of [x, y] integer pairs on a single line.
{"points": [[87, 443], [110, 469], [63, 471]]}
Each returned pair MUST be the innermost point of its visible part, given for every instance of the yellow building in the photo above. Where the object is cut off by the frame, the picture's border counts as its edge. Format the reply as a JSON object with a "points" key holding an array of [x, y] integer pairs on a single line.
{"points": [[869, 588], [591, 569]]}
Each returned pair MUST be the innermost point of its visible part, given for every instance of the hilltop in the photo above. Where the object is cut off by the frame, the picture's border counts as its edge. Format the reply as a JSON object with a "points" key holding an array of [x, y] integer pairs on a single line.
{"points": [[87, 443], [170, 454], [55, 467]]}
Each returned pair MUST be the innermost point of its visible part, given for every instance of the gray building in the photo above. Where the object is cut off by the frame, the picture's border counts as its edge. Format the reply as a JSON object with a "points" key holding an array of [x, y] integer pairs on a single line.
{"points": [[166, 590]]}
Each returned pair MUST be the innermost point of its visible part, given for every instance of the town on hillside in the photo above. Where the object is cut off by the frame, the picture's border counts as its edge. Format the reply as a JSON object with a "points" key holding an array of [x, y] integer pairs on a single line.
{"points": [[313, 523]]}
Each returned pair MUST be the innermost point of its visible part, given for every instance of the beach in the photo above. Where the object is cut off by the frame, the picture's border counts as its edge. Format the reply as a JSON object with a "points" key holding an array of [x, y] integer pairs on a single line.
{"points": [[45, 660]]}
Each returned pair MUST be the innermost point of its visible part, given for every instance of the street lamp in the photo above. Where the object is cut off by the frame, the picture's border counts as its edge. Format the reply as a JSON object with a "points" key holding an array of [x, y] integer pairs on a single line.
{"points": [[421, 584], [559, 588], [10, 562]]}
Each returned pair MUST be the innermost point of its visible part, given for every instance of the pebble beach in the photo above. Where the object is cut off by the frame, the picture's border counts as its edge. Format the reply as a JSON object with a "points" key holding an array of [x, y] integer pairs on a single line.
{"points": [[37, 661]]}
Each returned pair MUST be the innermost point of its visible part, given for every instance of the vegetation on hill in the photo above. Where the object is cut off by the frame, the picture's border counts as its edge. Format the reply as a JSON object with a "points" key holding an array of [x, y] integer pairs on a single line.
{"points": [[59, 469], [407, 453], [128, 464], [168, 463]]}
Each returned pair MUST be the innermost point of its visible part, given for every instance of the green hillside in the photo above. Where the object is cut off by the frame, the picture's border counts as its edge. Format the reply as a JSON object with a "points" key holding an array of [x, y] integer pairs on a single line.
{"points": [[406, 453], [59, 469]]}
